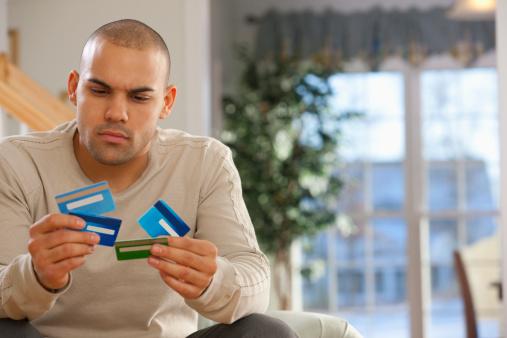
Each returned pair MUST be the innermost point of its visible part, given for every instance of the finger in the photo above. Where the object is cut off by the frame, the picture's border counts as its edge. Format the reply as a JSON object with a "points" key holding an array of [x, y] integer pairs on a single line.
{"points": [[67, 251], [62, 236], [184, 257], [198, 246], [64, 267], [59, 237], [53, 222], [186, 290], [181, 272]]}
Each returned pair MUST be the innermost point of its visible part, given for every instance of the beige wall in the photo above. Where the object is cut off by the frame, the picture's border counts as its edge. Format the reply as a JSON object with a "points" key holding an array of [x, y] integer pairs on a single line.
{"points": [[52, 33]]}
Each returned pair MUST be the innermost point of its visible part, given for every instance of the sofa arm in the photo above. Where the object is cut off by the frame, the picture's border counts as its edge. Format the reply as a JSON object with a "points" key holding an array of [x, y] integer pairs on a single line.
{"points": [[316, 325]]}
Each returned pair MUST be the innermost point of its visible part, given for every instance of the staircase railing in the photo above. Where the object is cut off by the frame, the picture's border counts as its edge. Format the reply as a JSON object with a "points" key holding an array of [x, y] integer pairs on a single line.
{"points": [[27, 101]]}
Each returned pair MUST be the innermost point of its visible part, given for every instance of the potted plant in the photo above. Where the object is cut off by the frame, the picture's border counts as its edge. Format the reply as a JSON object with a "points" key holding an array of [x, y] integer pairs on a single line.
{"points": [[284, 138]]}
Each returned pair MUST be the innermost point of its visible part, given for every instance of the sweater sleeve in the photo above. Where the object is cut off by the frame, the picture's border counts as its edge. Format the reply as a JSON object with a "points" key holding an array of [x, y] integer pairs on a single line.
{"points": [[241, 284], [21, 295]]}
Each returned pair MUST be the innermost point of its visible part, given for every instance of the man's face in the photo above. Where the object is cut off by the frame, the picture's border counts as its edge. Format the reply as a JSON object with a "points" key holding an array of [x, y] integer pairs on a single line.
{"points": [[119, 95]]}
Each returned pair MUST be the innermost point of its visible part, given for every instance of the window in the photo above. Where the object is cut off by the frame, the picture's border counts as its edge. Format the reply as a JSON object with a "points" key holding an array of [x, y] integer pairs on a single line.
{"points": [[460, 150], [358, 269]]}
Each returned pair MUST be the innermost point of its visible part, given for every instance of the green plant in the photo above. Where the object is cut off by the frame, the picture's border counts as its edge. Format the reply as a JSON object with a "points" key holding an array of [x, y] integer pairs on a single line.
{"points": [[284, 138]]}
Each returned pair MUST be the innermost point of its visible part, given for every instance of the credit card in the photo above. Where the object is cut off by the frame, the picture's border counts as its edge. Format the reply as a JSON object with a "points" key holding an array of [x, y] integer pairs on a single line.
{"points": [[161, 220], [94, 199], [136, 249], [106, 227]]}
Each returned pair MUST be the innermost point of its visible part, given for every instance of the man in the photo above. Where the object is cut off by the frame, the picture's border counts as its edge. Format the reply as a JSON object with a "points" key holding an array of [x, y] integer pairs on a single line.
{"points": [[66, 285]]}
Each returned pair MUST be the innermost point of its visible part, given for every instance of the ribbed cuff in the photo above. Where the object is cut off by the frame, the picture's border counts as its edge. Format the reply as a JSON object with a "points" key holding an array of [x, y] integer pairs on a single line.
{"points": [[21, 293], [220, 290]]}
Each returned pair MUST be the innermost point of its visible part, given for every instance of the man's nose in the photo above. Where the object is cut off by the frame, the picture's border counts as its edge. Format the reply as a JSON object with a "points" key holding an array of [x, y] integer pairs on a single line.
{"points": [[118, 109]]}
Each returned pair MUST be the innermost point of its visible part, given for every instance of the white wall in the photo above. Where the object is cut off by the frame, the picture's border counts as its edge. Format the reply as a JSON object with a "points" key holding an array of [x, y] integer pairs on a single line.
{"points": [[3, 26], [501, 38], [7, 124], [52, 34]]}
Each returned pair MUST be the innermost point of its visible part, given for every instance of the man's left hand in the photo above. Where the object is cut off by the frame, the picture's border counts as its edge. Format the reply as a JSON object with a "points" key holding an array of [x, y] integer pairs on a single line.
{"points": [[187, 265]]}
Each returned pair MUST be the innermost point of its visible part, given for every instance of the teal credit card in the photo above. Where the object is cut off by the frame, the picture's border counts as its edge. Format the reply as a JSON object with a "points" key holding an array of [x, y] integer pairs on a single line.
{"points": [[95, 199], [162, 220]]}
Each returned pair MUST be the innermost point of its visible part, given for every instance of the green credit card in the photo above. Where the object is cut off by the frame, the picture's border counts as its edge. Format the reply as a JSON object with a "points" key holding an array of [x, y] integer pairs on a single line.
{"points": [[136, 249]]}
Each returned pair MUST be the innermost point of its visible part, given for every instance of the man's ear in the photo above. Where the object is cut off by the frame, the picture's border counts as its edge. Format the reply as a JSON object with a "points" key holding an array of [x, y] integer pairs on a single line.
{"points": [[72, 83], [169, 97]]}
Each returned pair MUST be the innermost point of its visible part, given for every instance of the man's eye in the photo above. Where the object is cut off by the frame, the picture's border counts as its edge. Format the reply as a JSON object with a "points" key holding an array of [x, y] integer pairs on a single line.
{"points": [[98, 91], [140, 98]]}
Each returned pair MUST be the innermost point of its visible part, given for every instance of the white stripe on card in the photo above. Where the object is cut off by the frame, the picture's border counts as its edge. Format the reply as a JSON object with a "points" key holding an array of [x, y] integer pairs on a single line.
{"points": [[168, 228], [135, 248], [100, 230], [85, 201]]}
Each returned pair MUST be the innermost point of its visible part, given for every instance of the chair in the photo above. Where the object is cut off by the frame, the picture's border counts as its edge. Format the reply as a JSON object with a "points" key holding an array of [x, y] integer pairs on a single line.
{"points": [[316, 325], [466, 293]]}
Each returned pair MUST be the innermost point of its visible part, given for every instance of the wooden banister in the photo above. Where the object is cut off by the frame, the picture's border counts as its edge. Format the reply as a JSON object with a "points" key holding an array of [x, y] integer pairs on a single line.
{"points": [[29, 102]]}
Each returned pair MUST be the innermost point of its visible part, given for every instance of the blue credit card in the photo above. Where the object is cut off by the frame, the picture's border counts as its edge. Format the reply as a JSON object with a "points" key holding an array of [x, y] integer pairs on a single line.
{"points": [[161, 220], [94, 199], [106, 227]]}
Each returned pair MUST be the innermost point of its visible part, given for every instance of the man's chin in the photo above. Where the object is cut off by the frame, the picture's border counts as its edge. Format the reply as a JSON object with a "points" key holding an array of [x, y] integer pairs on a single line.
{"points": [[111, 160]]}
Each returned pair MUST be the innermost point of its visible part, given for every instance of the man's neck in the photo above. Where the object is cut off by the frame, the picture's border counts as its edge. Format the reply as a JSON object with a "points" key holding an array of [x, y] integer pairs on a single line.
{"points": [[119, 177]]}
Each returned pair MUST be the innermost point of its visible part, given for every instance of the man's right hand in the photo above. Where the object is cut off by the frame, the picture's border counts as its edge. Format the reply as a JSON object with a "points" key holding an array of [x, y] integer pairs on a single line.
{"points": [[56, 248]]}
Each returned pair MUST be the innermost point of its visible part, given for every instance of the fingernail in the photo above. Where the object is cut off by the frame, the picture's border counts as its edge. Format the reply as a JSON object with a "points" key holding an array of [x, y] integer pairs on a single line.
{"points": [[153, 261], [156, 249], [94, 237]]}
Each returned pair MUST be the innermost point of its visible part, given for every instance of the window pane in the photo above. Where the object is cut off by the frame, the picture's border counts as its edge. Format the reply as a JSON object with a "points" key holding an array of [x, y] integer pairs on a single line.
{"points": [[315, 293], [351, 248], [480, 138], [378, 135], [445, 304], [388, 186], [352, 195], [389, 240], [479, 228], [315, 272], [351, 286], [443, 240], [481, 185], [389, 252], [442, 186], [459, 110]]}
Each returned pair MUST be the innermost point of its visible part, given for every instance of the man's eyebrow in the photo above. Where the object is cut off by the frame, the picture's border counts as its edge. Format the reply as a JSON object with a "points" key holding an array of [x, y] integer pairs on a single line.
{"points": [[132, 91], [141, 89], [99, 82]]}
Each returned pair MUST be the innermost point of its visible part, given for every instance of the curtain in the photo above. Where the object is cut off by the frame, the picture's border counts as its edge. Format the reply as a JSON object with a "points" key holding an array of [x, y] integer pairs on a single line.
{"points": [[334, 37]]}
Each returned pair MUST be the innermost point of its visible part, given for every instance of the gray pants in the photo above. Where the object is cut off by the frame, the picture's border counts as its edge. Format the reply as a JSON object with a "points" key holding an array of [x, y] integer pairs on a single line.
{"points": [[17, 329], [253, 326]]}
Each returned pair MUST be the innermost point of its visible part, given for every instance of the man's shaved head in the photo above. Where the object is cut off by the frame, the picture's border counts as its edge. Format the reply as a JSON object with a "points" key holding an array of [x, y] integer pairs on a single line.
{"points": [[133, 34]]}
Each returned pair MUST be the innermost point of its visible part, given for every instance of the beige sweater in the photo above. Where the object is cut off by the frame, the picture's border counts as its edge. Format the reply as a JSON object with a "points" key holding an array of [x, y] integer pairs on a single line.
{"points": [[108, 298]]}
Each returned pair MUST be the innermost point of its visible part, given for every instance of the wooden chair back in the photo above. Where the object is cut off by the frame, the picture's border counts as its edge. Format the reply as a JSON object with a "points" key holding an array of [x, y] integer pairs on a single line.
{"points": [[466, 294]]}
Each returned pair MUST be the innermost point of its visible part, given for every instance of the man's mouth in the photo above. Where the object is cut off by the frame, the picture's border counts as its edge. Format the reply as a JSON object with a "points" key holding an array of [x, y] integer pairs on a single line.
{"points": [[113, 136]]}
